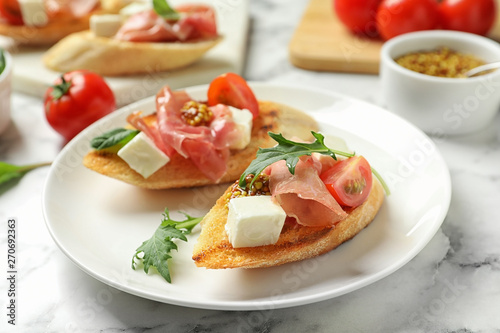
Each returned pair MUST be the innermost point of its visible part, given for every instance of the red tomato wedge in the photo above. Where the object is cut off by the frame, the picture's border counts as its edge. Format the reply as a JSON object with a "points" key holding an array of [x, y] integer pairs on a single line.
{"points": [[11, 12], [231, 89], [349, 181]]}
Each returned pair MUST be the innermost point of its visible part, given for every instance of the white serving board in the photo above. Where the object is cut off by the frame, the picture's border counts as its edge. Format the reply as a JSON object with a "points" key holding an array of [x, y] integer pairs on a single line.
{"points": [[31, 77]]}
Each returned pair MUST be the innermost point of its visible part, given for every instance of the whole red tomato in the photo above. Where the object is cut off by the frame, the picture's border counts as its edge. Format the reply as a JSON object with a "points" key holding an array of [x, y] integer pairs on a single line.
{"points": [[396, 17], [76, 100], [358, 15], [11, 12], [475, 16]]}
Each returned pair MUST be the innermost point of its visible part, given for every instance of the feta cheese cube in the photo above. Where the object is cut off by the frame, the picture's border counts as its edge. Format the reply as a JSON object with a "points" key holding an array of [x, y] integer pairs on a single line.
{"points": [[254, 221], [142, 155], [105, 25], [244, 121], [33, 12]]}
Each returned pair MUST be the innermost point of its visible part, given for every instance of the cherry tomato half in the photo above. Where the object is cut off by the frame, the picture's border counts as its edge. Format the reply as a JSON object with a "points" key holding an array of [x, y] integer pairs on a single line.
{"points": [[11, 12], [76, 100], [396, 17], [358, 15], [231, 89], [474, 16], [349, 181]]}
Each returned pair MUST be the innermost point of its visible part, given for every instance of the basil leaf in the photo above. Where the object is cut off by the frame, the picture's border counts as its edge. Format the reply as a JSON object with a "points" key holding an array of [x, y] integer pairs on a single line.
{"points": [[162, 8], [9, 171], [118, 136], [2, 61]]}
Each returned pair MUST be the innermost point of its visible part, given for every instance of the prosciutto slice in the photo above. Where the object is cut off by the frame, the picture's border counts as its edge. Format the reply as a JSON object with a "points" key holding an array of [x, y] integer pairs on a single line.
{"points": [[206, 146], [196, 22], [151, 130], [303, 195]]}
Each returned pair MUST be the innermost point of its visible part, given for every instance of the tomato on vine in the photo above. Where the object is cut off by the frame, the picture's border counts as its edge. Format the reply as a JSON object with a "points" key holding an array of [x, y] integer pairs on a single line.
{"points": [[396, 17], [474, 16], [358, 15]]}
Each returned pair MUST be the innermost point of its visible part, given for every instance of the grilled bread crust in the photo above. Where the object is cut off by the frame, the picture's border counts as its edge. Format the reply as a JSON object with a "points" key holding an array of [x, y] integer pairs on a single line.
{"points": [[181, 172], [112, 57], [57, 28], [213, 249]]}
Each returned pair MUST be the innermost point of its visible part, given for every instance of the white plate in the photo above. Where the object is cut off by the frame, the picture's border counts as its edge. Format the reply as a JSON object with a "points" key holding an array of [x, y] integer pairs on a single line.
{"points": [[31, 77], [98, 222]]}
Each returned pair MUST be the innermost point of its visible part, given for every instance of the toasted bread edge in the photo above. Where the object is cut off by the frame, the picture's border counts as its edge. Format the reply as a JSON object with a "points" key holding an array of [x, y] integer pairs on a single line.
{"points": [[214, 251], [181, 172]]}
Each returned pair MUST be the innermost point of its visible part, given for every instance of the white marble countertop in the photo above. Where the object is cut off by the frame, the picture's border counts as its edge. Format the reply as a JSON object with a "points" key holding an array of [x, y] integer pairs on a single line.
{"points": [[453, 285]]}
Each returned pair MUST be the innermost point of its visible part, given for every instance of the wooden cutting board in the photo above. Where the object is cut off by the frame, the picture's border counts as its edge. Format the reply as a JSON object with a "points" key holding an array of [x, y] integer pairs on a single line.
{"points": [[322, 43]]}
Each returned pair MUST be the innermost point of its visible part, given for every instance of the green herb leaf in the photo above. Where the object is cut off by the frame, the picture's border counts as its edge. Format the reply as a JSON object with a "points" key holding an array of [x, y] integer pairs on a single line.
{"points": [[287, 150], [156, 250], [2, 61], [61, 89], [10, 171], [118, 136], [162, 8], [290, 151]]}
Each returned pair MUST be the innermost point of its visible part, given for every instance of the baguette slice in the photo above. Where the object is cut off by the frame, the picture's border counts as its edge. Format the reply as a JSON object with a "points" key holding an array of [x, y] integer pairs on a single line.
{"points": [[181, 172], [112, 57], [213, 249], [58, 27]]}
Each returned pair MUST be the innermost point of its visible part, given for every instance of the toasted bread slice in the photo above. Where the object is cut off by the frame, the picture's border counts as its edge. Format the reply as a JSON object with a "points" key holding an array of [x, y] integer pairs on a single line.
{"points": [[296, 242], [181, 172], [112, 57], [58, 27]]}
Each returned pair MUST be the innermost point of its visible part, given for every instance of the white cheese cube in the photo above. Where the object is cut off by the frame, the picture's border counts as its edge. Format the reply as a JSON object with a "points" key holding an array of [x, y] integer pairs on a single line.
{"points": [[142, 155], [33, 12], [244, 121], [254, 221], [105, 25], [134, 8]]}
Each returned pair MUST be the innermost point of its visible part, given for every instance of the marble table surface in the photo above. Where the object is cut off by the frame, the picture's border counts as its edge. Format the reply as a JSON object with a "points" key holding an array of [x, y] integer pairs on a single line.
{"points": [[452, 285]]}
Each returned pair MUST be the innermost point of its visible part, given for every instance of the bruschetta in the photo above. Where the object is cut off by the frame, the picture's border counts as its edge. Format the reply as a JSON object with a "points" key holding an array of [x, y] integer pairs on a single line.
{"points": [[45, 22], [293, 210], [138, 41], [188, 143]]}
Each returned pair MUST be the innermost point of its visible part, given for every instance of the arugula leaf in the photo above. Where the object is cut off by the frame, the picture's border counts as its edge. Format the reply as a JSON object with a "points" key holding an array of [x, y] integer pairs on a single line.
{"points": [[156, 250], [162, 8], [10, 171], [118, 136], [287, 150], [2, 61], [290, 151]]}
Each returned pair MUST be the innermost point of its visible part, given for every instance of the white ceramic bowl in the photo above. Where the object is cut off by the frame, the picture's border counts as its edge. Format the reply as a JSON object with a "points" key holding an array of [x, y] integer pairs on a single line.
{"points": [[5, 91], [440, 105]]}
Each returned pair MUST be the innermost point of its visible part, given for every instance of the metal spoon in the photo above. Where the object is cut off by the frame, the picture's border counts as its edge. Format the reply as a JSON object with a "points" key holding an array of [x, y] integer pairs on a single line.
{"points": [[479, 69]]}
